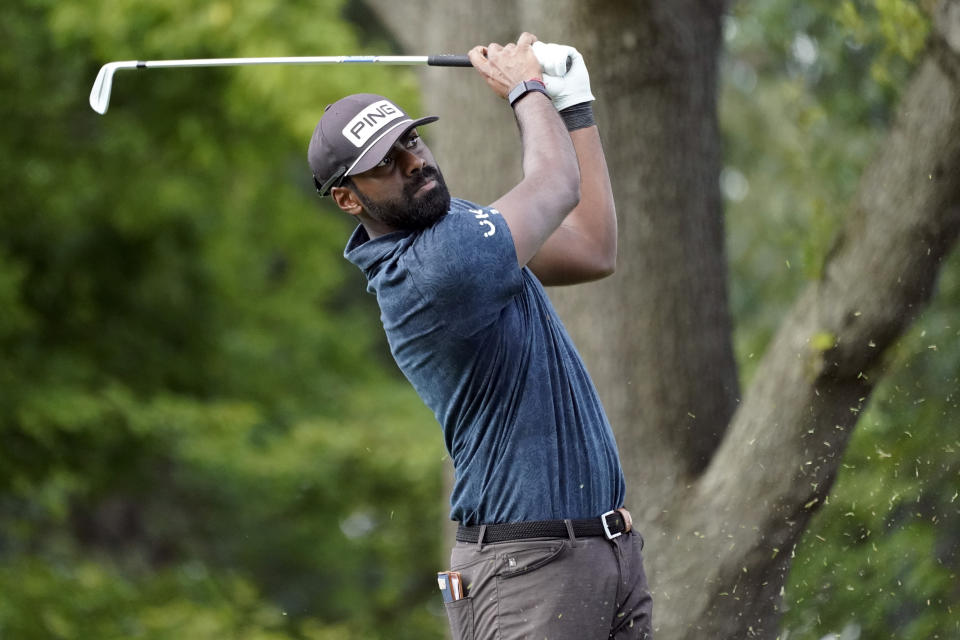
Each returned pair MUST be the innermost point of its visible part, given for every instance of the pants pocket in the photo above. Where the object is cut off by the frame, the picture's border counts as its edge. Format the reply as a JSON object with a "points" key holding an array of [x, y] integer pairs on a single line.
{"points": [[529, 587], [522, 562], [460, 615]]}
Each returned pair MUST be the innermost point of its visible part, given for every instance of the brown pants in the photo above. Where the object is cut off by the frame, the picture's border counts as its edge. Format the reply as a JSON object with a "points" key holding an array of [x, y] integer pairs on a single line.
{"points": [[559, 589]]}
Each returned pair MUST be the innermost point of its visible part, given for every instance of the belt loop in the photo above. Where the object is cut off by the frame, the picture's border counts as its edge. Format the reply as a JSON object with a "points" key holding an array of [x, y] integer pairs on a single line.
{"points": [[483, 530], [573, 538]]}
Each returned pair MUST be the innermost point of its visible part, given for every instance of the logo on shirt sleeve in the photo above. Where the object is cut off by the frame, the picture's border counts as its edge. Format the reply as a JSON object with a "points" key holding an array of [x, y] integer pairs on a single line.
{"points": [[484, 220]]}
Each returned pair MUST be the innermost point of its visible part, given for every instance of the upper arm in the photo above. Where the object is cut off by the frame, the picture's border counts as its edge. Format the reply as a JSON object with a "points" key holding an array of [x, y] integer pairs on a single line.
{"points": [[526, 209], [572, 256]]}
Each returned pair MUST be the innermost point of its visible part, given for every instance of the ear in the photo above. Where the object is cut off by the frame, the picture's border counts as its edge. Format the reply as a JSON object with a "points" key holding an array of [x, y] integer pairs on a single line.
{"points": [[346, 200]]}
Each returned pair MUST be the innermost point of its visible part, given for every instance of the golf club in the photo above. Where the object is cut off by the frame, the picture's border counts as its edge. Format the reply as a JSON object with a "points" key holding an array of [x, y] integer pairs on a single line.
{"points": [[102, 86]]}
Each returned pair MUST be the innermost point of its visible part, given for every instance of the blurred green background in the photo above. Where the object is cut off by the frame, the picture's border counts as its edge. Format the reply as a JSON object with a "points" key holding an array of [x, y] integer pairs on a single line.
{"points": [[809, 93], [202, 434]]}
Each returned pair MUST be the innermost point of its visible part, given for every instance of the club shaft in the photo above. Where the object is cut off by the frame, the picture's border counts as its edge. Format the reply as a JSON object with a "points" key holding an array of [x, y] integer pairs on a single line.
{"points": [[434, 60]]}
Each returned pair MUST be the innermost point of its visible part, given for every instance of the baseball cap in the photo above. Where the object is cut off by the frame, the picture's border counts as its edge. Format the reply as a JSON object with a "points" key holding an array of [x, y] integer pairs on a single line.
{"points": [[353, 135]]}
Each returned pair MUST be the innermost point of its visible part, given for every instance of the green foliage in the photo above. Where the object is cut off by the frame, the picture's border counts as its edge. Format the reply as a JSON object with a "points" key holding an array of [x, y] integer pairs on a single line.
{"points": [[89, 600], [896, 28], [808, 95], [802, 113], [189, 443], [884, 555]]}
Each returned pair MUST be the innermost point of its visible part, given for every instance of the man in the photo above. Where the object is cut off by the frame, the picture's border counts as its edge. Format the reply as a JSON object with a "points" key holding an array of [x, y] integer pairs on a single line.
{"points": [[544, 547]]}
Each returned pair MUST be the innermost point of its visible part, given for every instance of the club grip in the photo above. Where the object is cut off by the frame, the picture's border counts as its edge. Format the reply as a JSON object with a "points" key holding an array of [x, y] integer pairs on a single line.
{"points": [[448, 60]]}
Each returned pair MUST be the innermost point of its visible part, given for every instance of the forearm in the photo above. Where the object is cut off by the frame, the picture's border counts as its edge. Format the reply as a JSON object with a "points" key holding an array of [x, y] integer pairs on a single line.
{"points": [[550, 187], [549, 159], [595, 217]]}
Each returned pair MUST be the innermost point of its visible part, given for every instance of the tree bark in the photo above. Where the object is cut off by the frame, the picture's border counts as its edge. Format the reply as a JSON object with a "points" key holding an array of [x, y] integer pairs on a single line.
{"points": [[722, 487]]}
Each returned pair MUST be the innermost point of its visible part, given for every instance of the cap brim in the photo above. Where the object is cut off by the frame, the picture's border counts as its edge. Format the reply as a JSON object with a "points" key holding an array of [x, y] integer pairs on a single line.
{"points": [[378, 150]]}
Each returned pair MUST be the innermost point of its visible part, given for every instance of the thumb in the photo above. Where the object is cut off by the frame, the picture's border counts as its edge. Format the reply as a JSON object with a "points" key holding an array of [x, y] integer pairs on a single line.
{"points": [[553, 84], [552, 57]]}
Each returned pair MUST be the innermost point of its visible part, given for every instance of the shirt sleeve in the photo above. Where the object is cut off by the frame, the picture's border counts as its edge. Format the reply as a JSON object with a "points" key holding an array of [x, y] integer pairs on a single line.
{"points": [[466, 267]]}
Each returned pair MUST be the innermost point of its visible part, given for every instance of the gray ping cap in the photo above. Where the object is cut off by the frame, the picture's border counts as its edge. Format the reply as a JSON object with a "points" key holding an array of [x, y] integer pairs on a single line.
{"points": [[354, 135]]}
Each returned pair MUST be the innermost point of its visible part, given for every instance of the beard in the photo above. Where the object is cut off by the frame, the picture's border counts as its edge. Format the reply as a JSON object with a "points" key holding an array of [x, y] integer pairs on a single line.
{"points": [[412, 213]]}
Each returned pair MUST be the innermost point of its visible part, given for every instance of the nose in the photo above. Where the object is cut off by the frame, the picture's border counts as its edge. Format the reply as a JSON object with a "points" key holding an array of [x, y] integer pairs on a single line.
{"points": [[409, 161]]}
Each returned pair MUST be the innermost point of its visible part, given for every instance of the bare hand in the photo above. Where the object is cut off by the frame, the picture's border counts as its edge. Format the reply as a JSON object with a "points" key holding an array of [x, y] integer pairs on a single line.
{"points": [[505, 66]]}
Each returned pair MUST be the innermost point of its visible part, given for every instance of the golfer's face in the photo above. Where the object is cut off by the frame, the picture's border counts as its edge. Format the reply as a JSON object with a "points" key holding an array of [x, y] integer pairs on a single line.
{"points": [[405, 191], [404, 173]]}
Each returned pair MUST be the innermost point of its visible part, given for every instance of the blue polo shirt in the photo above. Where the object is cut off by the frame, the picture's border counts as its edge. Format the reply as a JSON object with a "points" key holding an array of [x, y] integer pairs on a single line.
{"points": [[482, 345]]}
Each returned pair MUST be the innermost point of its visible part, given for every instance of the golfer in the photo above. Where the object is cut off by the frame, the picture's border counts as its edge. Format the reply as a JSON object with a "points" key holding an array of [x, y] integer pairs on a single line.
{"points": [[544, 546]]}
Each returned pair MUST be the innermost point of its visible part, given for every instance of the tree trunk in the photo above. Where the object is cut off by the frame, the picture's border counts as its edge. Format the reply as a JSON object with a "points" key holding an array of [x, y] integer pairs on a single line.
{"points": [[722, 488], [657, 335]]}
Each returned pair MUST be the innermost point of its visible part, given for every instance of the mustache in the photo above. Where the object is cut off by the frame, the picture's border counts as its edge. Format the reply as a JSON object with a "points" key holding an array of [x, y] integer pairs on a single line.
{"points": [[423, 177]]}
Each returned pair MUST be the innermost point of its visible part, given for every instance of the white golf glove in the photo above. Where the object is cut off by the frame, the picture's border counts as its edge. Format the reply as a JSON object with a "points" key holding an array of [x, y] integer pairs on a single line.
{"points": [[565, 87]]}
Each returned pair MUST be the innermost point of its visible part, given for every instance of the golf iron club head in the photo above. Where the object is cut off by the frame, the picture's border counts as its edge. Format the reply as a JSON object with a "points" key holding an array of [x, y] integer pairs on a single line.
{"points": [[100, 93]]}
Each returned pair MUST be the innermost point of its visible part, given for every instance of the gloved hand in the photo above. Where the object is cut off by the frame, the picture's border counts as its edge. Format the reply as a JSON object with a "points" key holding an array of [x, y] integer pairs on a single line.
{"points": [[566, 87]]}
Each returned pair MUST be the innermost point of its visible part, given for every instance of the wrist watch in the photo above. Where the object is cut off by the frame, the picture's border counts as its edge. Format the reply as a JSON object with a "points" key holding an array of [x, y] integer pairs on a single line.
{"points": [[523, 88]]}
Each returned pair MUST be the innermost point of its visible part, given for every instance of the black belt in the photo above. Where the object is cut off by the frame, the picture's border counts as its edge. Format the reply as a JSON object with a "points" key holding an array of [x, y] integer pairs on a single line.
{"points": [[609, 525]]}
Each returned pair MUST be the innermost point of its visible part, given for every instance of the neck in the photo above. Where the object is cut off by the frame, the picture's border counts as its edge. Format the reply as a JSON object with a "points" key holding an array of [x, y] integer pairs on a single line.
{"points": [[375, 228]]}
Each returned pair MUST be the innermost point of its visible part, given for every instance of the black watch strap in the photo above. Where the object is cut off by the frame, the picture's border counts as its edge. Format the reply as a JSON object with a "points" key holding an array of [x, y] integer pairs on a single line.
{"points": [[523, 88]]}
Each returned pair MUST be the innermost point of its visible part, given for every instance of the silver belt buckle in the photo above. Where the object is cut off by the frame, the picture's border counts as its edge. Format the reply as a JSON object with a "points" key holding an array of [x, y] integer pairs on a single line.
{"points": [[606, 527]]}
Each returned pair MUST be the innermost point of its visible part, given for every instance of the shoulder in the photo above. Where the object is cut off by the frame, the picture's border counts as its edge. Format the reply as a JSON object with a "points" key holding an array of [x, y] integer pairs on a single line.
{"points": [[467, 235], [471, 223], [469, 253]]}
